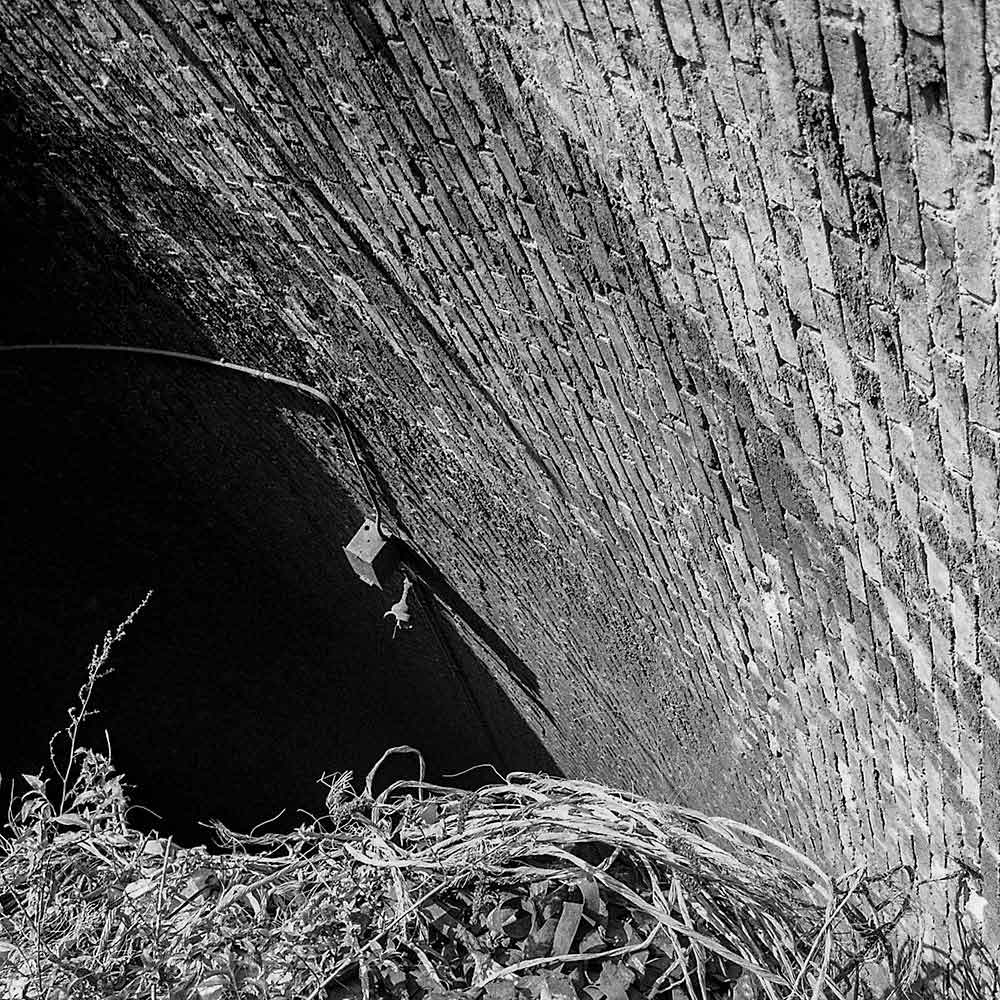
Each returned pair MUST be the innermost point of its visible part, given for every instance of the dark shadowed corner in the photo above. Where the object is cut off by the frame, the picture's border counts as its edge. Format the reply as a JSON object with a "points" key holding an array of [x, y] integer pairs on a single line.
{"points": [[261, 661]]}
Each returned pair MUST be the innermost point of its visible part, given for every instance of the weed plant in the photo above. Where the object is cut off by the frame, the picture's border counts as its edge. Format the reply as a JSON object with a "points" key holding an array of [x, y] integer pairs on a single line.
{"points": [[532, 887]]}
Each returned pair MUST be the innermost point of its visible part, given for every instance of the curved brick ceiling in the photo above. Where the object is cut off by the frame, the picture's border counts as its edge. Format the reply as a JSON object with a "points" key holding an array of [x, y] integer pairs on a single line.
{"points": [[672, 329]]}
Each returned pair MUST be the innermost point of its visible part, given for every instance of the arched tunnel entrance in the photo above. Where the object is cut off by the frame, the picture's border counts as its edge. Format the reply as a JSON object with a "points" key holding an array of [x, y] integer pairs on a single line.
{"points": [[261, 661]]}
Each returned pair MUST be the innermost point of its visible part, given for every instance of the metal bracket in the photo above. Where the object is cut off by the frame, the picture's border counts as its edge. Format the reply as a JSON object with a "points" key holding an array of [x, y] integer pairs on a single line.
{"points": [[372, 555]]}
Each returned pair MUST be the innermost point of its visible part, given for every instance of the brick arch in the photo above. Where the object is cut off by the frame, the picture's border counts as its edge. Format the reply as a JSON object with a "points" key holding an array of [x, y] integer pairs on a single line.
{"points": [[673, 330]]}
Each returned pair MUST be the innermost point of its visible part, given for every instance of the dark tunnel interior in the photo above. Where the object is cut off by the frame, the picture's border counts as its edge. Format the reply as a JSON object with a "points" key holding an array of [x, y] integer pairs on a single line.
{"points": [[261, 661]]}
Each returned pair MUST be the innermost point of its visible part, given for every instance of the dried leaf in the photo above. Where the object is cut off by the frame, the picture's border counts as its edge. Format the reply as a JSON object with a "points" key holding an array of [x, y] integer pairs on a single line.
{"points": [[569, 923], [141, 886], [593, 904], [502, 989], [614, 981], [212, 988], [746, 988], [72, 819]]}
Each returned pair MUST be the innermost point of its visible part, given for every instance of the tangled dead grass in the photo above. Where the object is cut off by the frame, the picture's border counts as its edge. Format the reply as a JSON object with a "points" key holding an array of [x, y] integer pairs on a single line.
{"points": [[530, 887]]}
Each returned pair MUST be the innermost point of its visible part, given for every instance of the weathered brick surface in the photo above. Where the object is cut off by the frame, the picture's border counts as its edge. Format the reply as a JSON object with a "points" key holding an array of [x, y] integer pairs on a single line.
{"points": [[673, 328]]}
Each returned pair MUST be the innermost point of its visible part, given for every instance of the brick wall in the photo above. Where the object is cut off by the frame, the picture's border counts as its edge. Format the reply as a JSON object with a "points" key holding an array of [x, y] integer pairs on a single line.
{"points": [[672, 328]]}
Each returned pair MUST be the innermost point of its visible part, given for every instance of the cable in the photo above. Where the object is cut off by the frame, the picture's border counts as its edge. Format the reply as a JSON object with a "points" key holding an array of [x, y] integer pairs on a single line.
{"points": [[180, 356], [228, 366]]}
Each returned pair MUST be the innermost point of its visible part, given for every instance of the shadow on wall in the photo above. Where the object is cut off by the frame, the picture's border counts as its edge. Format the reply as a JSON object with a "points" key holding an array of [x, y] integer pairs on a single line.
{"points": [[261, 661], [971, 973]]}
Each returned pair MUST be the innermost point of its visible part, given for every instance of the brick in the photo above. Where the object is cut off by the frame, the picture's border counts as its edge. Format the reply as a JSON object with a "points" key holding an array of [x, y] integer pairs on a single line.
{"points": [[942, 284], [986, 500], [923, 16], [715, 48], [889, 363], [835, 346], [982, 377], [925, 73], [794, 267], [872, 417], [949, 383], [965, 56], [808, 211], [732, 295], [854, 449], [883, 36], [816, 119], [926, 448], [806, 41], [677, 19], [914, 330], [902, 209], [988, 570], [739, 20], [844, 54], [973, 229], [854, 297], [959, 517], [871, 233], [768, 101], [992, 36]]}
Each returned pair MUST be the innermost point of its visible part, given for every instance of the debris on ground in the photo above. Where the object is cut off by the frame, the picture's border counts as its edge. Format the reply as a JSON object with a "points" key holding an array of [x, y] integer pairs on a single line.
{"points": [[531, 887]]}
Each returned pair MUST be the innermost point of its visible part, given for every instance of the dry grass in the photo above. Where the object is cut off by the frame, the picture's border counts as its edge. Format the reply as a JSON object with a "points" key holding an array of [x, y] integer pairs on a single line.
{"points": [[531, 887]]}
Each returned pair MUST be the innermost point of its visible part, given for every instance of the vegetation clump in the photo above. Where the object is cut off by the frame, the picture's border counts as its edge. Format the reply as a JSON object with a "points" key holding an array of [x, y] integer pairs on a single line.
{"points": [[532, 887]]}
